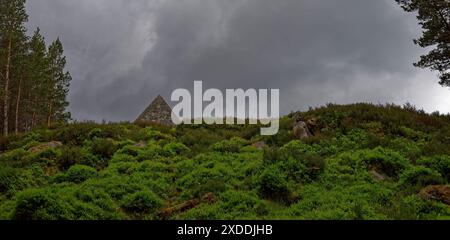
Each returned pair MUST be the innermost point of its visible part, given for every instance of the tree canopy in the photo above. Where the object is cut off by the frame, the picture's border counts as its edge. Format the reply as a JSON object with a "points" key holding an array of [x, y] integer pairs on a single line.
{"points": [[34, 82], [434, 17]]}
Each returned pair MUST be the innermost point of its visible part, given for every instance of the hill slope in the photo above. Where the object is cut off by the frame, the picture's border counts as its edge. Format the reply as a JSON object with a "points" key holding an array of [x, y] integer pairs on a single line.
{"points": [[364, 162]]}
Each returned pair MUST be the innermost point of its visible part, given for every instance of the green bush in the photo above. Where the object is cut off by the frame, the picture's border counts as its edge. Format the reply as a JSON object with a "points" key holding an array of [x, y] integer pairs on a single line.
{"points": [[104, 148], [10, 179], [204, 180], [271, 155], [299, 161], [387, 161], [95, 133], [233, 145], [406, 147], [76, 155], [74, 135], [142, 202], [28, 140], [420, 176], [78, 174], [423, 209], [198, 140], [354, 165], [273, 185], [315, 165], [231, 205], [174, 149], [41, 205], [151, 151], [438, 163], [46, 157], [360, 201], [14, 157], [64, 203]]}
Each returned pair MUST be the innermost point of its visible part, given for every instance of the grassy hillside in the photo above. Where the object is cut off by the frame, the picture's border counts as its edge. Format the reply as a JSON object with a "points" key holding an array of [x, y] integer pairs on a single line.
{"points": [[365, 162]]}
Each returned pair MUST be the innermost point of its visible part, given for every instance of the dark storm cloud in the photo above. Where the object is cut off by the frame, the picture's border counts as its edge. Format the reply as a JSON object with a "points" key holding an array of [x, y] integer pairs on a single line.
{"points": [[123, 53]]}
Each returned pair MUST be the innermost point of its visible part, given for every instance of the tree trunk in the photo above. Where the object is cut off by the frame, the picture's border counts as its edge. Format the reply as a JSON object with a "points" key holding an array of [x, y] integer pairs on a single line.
{"points": [[49, 117], [33, 120], [6, 99], [34, 112], [17, 106]]}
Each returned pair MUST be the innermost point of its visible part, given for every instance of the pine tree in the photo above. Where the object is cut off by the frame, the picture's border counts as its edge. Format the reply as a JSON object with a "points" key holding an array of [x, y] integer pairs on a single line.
{"points": [[434, 17], [37, 78], [57, 84], [12, 37], [34, 81], [20, 72]]}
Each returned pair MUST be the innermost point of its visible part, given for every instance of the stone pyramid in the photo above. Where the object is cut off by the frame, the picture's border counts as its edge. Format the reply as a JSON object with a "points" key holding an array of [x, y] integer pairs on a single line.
{"points": [[157, 112]]}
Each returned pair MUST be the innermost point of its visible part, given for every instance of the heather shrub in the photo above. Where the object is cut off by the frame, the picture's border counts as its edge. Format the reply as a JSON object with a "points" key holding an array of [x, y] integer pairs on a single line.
{"points": [[233, 145], [77, 174], [142, 202], [439, 163], [420, 176], [273, 185], [103, 148]]}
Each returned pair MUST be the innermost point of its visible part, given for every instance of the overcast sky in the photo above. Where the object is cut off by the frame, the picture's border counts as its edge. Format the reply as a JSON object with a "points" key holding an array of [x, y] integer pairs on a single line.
{"points": [[123, 53]]}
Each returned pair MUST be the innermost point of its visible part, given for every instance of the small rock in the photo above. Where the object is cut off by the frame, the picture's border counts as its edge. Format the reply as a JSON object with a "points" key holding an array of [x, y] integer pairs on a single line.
{"points": [[439, 193], [45, 146], [378, 176], [301, 130], [140, 144], [209, 198], [259, 145]]}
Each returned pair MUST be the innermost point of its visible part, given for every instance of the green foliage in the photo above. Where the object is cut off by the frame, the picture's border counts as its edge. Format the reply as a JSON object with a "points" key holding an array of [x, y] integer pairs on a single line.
{"points": [[63, 203], [76, 155], [142, 202], [433, 18], [439, 163], [273, 185], [175, 149], [355, 165], [365, 162], [95, 133], [420, 176], [297, 160], [233, 205], [9, 179], [77, 174], [103, 148], [233, 145], [203, 180], [40, 205]]}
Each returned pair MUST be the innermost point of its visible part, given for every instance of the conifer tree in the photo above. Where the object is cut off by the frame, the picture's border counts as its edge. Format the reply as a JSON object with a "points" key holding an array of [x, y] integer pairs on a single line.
{"points": [[37, 66], [34, 82], [434, 17], [57, 84], [12, 37]]}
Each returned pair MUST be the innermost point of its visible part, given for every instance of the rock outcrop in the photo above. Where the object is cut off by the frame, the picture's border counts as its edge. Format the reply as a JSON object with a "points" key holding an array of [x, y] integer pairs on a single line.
{"points": [[440, 193], [45, 146], [304, 128]]}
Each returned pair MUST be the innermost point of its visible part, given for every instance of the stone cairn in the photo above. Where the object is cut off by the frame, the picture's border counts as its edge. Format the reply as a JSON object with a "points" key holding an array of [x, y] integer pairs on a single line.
{"points": [[158, 112]]}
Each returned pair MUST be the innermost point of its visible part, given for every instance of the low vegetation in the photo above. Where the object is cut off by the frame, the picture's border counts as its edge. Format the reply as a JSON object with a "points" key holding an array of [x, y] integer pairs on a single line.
{"points": [[364, 162]]}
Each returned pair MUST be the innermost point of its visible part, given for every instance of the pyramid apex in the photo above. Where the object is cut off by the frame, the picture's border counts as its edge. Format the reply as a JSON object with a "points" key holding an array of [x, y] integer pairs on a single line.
{"points": [[157, 112]]}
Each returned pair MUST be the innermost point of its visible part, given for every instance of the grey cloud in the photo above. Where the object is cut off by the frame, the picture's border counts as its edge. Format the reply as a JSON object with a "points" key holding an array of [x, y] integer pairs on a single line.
{"points": [[123, 53]]}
